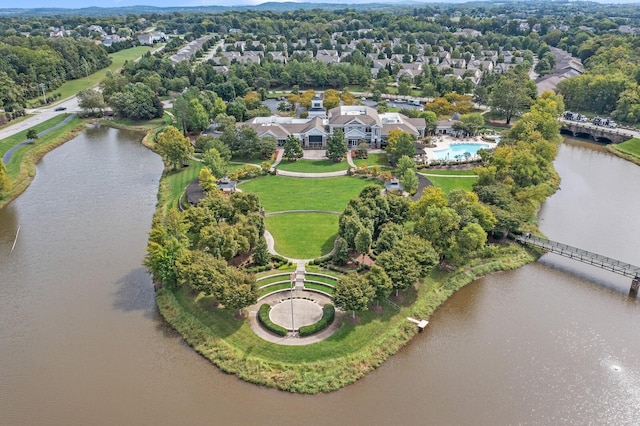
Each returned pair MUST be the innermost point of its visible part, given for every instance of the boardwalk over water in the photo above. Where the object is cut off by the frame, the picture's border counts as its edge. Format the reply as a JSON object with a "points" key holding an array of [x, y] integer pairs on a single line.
{"points": [[584, 256]]}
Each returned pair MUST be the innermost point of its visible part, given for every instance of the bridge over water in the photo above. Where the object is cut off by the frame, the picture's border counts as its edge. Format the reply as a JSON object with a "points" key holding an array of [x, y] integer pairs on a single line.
{"points": [[584, 256], [597, 133]]}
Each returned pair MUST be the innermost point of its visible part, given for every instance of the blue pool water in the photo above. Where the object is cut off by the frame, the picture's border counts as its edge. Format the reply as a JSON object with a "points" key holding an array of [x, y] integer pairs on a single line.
{"points": [[459, 149]]}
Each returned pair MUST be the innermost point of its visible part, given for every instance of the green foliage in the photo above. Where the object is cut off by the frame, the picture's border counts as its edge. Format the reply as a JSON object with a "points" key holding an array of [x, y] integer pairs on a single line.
{"points": [[215, 163], [336, 147], [353, 293], [261, 254], [400, 144], [292, 148], [5, 183], [32, 134], [341, 253], [379, 281], [512, 94], [263, 316], [173, 147], [328, 314], [137, 102], [362, 152], [409, 181]]}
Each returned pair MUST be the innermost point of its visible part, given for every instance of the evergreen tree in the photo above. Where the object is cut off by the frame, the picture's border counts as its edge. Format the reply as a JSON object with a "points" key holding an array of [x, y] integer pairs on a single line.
{"points": [[336, 147]]}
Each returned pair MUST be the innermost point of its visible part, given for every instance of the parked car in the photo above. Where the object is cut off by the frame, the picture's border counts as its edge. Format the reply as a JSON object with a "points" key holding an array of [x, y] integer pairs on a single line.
{"points": [[60, 109]]}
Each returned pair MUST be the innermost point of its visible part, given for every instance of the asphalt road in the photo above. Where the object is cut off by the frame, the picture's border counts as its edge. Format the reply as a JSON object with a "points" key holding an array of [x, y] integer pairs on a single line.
{"points": [[40, 115]]}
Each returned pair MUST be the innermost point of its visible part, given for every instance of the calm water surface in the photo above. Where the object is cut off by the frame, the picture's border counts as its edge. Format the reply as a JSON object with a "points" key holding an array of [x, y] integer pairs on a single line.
{"points": [[81, 341]]}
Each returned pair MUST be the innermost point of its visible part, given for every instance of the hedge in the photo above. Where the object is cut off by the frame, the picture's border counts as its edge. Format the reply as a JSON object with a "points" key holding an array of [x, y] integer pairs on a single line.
{"points": [[263, 316], [328, 313]]}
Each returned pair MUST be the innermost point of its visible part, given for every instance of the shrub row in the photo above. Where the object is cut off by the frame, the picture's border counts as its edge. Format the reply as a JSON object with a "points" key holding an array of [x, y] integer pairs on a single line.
{"points": [[322, 259], [278, 261], [328, 313], [263, 316]]}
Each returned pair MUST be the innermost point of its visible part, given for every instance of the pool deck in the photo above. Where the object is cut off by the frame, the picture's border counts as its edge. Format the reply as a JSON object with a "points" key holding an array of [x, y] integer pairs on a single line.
{"points": [[444, 142]]}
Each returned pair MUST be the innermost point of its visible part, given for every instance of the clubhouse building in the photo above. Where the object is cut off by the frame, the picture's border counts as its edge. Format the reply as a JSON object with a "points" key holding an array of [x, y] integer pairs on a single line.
{"points": [[358, 122]]}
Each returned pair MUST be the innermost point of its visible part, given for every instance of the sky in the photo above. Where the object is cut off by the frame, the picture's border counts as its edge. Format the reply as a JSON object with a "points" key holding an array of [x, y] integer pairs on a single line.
{"points": [[78, 4]]}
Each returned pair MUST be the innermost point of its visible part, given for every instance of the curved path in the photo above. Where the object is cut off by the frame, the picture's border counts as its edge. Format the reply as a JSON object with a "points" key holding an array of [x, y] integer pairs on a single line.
{"points": [[7, 155], [311, 175], [293, 340]]}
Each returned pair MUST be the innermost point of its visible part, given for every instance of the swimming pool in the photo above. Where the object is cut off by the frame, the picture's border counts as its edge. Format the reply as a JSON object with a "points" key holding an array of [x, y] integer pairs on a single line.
{"points": [[459, 150]]}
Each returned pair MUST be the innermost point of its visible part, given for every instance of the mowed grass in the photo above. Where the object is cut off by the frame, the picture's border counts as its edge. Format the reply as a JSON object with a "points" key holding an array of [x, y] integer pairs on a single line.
{"points": [[278, 193], [72, 87], [177, 181], [303, 235], [448, 183], [380, 159], [11, 141], [14, 165], [313, 166], [631, 147], [350, 337]]}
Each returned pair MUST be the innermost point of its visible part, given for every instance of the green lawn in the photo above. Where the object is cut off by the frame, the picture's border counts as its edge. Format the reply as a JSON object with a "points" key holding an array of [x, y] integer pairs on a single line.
{"points": [[348, 339], [373, 160], [313, 166], [177, 182], [631, 147], [13, 167], [303, 235], [324, 288], [447, 184], [278, 193], [72, 87], [273, 288], [7, 143], [442, 172]]}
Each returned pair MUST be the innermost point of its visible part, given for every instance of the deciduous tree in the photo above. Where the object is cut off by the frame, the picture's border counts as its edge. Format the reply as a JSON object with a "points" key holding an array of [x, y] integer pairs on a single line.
{"points": [[353, 293], [173, 147]]}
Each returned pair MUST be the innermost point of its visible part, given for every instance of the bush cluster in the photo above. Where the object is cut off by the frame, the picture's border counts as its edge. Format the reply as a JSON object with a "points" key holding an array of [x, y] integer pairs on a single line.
{"points": [[263, 316], [328, 314], [278, 261], [245, 172], [321, 260]]}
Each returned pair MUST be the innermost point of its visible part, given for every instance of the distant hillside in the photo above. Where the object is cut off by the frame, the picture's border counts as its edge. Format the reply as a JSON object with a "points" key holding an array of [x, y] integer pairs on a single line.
{"points": [[137, 10]]}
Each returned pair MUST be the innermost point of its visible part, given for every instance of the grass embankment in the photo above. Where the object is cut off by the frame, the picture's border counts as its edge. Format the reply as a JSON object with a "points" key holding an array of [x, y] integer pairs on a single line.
{"points": [[22, 166], [303, 235], [629, 150], [330, 364], [72, 87], [448, 180], [313, 166]]}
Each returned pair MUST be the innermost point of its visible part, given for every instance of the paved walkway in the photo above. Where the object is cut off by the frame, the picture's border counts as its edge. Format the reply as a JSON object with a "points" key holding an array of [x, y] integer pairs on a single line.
{"points": [[311, 175], [7, 155], [291, 339]]}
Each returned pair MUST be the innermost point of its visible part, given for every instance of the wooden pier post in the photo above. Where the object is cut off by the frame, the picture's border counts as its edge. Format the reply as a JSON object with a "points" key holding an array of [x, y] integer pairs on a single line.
{"points": [[635, 286]]}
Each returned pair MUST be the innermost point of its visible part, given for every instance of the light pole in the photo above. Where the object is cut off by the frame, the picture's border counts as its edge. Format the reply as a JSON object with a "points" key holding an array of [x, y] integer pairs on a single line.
{"points": [[293, 277]]}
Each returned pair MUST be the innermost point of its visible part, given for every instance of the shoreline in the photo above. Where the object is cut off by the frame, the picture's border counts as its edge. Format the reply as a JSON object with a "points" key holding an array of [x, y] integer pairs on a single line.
{"points": [[31, 158], [327, 375]]}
